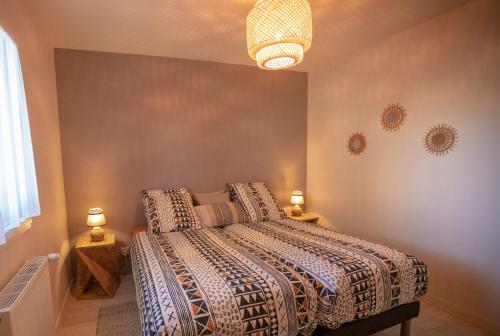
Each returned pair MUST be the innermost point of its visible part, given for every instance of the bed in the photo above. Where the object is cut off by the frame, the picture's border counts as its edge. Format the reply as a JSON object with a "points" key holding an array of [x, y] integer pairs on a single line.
{"points": [[354, 279], [200, 282], [197, 276]]}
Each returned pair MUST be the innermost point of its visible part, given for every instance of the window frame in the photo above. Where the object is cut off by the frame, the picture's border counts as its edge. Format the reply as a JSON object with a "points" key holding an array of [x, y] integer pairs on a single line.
{"points": [[16, 232]]}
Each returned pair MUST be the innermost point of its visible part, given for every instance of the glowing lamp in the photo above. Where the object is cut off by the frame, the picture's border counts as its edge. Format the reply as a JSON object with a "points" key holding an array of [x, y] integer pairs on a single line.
{"points": [[96, 219], [296, 200], [279, 32]]}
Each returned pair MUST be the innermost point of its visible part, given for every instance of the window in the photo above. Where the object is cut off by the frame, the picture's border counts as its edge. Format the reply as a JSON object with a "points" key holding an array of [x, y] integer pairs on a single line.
{"points": [[18, 188]]}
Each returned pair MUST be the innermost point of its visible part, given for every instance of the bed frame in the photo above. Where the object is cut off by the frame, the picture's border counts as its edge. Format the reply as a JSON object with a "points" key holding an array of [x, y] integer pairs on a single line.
{"points": [[399, 315]]}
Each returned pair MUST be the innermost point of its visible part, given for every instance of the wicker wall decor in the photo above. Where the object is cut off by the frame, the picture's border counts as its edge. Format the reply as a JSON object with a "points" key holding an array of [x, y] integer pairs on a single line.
{"points": [[393, 117], [440, 139], [356, 143]]}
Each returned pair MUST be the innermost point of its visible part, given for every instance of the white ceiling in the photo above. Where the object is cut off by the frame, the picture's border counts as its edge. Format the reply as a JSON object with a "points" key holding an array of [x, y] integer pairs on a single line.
{"points": [[214, 30]]}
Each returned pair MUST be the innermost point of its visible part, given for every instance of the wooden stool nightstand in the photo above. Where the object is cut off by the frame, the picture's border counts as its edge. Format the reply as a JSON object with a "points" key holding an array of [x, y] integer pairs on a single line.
{"points": [[97, 273], [307, 217]]}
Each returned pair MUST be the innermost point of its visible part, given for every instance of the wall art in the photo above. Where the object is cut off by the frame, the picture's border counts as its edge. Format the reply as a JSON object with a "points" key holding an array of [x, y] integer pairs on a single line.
{"points": [[440, 139], [393, 117], [356, 143]]}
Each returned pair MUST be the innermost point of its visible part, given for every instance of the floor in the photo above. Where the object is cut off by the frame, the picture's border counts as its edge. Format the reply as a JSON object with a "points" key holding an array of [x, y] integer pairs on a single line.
{"points": [[80, 317]]}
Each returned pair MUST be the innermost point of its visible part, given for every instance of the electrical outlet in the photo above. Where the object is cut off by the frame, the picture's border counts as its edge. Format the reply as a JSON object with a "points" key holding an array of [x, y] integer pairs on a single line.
{"points": [[125, 250]]}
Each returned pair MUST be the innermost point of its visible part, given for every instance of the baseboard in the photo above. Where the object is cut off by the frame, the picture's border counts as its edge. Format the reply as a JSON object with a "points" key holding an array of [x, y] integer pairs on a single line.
{"points": [[63, 307], [463, 314]]}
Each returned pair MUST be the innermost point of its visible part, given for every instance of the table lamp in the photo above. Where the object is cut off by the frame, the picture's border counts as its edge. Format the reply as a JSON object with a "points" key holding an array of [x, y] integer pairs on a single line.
{"points": [[95, 220], [296, 200]]}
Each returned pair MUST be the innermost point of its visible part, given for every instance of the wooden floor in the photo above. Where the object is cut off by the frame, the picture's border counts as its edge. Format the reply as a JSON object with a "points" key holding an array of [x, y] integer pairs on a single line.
{"points": [[80, 317]]}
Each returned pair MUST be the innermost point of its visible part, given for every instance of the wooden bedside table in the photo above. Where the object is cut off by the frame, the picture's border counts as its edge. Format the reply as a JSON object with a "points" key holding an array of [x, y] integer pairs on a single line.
{"points": [[306, 217], [97, 274]]}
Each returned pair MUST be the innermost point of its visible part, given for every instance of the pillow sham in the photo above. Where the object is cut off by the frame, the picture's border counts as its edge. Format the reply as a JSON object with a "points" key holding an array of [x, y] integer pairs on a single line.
{"points": [[257, 201], [220, 214], [169, 210], [213, 197]]}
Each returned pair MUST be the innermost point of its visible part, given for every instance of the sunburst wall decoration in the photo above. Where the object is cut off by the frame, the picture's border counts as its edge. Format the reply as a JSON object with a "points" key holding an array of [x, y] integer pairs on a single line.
{"points": [[440, 139], [393, 117], [356, 144]]}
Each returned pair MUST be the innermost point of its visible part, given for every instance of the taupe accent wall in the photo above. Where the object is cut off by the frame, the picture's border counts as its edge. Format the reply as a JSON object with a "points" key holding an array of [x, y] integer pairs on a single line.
{"points": [[443, 209], [131, 122]]}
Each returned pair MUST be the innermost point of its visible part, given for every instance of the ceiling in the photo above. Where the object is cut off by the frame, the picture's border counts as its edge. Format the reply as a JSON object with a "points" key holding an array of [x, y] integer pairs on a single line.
{"points": [[214, 30]]}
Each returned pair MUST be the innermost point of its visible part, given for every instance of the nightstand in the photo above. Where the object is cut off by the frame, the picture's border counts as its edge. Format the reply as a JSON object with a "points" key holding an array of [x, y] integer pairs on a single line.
{"points": [[97, 273], [306, 217]]}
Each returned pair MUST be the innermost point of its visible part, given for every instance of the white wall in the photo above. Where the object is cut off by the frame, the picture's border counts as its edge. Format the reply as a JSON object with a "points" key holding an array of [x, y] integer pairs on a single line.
{"points": [[444, 209], [49, 232]]}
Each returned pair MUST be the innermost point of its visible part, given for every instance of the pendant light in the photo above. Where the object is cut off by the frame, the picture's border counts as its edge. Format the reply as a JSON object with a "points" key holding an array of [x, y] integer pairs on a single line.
{"points": [[279, 32]]}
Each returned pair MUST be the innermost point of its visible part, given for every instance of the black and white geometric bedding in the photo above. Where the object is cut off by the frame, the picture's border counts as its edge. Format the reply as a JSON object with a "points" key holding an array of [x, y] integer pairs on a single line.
{"points": [[201, 282], [354, 279]]}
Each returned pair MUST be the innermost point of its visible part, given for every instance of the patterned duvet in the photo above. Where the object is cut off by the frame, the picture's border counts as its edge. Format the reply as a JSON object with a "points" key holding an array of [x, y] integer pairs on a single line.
{"points": [[201, 282], [353, 278]]}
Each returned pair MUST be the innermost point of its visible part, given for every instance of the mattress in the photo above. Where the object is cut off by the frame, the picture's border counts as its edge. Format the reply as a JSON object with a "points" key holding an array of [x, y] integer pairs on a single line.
{"points": [[354, 279], [201, 282]]}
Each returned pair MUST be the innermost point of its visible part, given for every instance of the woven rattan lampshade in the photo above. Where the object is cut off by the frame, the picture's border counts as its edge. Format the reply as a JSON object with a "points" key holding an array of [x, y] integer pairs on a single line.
{"points": [[279, 32]]}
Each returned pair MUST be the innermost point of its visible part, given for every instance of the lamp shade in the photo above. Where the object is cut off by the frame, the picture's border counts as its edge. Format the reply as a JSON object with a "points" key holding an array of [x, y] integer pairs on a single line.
{"points": [[279, 32], [96, 217], [297, 198]]}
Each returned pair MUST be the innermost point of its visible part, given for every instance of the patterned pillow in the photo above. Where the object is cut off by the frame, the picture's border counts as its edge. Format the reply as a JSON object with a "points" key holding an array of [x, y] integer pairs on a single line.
{"points": [[209, 198], [257, 200], [169, 210], [220, 214]]}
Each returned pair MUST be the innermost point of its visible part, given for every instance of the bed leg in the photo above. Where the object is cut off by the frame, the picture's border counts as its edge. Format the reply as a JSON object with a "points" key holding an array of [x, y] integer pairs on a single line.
{"points": [[405, 328]]}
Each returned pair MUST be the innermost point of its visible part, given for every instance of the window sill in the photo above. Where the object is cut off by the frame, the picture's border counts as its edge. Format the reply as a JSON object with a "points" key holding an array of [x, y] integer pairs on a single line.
{"points": [[17, 232]]}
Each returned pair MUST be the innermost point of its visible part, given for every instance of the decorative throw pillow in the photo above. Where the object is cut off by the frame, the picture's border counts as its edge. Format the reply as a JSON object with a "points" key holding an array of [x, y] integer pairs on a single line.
{"points": [[220, 214], [257, 200], [209, 198], [169, 210]]}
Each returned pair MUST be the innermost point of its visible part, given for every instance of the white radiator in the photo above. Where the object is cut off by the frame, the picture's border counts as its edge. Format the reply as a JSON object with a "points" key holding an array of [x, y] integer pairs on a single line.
{"points": [[26, 302]]}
